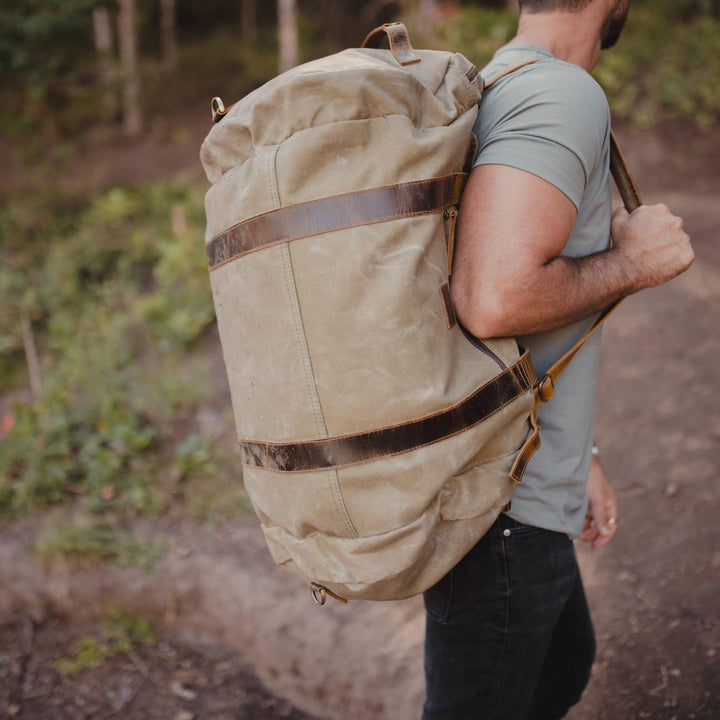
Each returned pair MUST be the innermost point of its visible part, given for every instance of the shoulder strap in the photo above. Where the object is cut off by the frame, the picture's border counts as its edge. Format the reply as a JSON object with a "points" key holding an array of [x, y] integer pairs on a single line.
{"points": [[631, 198], [630, 195], [507, 71], [545, 387]]}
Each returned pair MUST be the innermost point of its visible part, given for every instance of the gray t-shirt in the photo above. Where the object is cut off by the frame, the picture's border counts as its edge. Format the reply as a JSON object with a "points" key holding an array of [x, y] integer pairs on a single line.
{"points": [[552, 119]]}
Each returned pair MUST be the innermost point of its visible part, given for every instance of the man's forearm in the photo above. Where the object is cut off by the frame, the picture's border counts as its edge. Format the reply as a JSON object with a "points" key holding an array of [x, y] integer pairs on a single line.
{"points": [[499, 300], [566, 290]]}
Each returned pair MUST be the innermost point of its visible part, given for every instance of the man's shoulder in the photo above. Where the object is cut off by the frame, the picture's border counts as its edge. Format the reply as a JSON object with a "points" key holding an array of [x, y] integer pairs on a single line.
{"points": [[550, 119], [549, 101], [547, 81]]}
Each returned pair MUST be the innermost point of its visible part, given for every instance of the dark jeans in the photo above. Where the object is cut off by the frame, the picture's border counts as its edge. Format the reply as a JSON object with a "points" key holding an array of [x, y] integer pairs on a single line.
{"points": [[509, 635]]}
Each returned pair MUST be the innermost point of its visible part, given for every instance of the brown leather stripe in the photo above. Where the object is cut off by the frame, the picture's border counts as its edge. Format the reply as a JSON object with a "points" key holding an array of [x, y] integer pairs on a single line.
{"points": [[450, 315], [623, 179], [398, 39], [345, 450], [335, 213]]}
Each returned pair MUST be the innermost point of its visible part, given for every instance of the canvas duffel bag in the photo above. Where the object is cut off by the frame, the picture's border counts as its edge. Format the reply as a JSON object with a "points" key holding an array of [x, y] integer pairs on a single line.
{"points": [[379, 440]]}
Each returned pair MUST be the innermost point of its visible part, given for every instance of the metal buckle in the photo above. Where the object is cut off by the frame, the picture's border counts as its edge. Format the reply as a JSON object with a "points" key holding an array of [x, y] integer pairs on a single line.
{"points": [[320, 593], [218, 109]]}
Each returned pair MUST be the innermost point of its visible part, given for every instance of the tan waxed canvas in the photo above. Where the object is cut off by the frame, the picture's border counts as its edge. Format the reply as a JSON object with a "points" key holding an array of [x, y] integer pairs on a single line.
{"points": [[346, 332]]}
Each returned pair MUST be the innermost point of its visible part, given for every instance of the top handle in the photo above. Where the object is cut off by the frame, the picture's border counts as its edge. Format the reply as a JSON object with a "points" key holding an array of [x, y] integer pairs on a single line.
{"points": [[398, 39]]}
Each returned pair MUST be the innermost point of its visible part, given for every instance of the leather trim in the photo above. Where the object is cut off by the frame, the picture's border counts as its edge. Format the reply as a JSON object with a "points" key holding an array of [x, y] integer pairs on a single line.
{"points": [[398, 40], [623, 179], [505, 73], [450, 316], [337, 212], [344, 450]]}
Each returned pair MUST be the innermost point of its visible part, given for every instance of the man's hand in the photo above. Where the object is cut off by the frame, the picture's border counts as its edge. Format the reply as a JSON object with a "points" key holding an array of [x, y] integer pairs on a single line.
{"points": [[509, 277], [652, 239], [601, 519]]}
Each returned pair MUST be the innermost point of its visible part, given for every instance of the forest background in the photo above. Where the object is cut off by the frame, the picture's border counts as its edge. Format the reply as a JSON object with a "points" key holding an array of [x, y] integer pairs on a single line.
{"points": [[106, 319]]}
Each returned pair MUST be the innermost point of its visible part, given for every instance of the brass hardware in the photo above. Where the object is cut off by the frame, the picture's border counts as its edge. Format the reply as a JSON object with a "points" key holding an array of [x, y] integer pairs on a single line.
{"points": [[546, 388], [320, 592], [217, 109]]}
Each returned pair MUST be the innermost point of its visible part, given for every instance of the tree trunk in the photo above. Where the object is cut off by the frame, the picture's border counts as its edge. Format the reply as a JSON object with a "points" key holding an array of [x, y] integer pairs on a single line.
{"points": [[31, 356], [288, 40], [102, 32], [249, 22], [168, 39], [128, 40]]}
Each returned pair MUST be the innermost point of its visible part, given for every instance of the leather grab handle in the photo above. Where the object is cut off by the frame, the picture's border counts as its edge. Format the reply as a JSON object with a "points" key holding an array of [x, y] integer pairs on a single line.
{"points": [[398, 39]]}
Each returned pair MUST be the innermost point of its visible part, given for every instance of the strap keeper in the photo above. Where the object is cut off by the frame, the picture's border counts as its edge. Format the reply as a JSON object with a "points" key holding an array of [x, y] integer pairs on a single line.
{"points": [[545, 389]]}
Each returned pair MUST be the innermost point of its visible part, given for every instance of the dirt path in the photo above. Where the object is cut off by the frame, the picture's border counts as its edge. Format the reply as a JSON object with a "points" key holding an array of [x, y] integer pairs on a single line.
{"points": [[653, 591], [163, 679]]}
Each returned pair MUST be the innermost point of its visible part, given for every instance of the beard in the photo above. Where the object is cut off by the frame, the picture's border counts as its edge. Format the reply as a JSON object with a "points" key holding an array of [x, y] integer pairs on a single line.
{"points": [[614, 23]]}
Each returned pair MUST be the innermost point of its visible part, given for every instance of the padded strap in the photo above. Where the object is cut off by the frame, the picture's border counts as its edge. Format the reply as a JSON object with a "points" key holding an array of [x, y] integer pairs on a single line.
{"points": [[337, 212], [344, 450], [398, 39], [631, 199]]}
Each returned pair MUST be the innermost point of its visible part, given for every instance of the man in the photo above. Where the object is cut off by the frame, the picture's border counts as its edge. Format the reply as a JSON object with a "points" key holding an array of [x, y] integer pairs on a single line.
{"points": [[509, 635]]}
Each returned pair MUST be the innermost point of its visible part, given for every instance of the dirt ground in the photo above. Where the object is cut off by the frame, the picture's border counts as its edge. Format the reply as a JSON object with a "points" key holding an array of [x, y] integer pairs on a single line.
{"points": [[166, 679], [231, 625]]}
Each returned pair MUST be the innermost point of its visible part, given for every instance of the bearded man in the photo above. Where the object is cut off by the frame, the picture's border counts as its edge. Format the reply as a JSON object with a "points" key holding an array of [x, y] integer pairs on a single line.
{"points": [[509, 635]]}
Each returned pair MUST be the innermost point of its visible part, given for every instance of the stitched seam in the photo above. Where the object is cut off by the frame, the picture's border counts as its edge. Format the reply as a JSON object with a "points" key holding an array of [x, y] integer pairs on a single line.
{"points": [[456, 176], [451, 595], [510, 372], [506, 618], [388, 455], [324, 231], [340, 504], [313, 395], [353, 193]]}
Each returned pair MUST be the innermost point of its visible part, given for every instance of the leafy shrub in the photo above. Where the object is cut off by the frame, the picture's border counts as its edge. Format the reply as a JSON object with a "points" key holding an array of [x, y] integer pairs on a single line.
{"points": [[117, 293], [664, 67], [120, 632], [98, 540]]}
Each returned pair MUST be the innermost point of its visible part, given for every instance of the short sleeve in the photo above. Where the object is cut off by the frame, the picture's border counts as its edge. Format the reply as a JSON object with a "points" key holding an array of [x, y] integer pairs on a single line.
{"points": [[550, 120]]}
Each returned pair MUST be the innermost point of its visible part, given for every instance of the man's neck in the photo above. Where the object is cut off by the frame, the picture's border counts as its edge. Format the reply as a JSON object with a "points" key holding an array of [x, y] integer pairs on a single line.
{"points": [[570, 36]]}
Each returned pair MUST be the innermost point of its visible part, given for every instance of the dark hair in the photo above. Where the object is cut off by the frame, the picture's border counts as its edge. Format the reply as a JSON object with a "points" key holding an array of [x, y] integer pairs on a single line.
{"points": [[546, 5]]}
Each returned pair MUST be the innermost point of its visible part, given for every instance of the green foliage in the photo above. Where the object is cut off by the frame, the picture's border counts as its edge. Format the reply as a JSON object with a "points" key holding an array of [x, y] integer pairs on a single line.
{"points": [[666, 65], [120, 632], [45, 48], [663, 68], [90, 653], [477, 32], [98, 540], [39, 38], [118, 293]]}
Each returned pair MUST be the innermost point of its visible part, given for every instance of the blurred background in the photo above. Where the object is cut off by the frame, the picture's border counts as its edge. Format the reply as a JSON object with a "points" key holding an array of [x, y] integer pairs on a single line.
{"points": [[133, 580]]}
